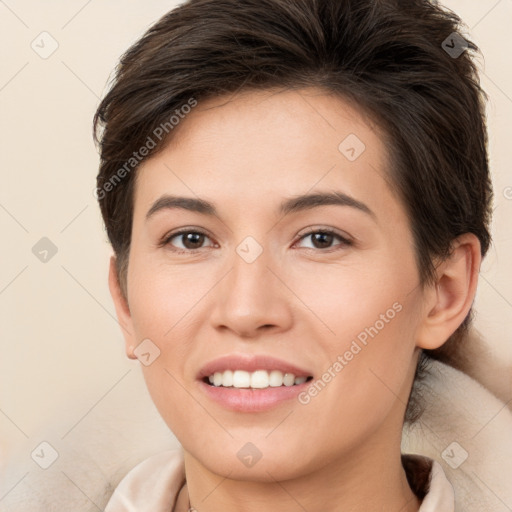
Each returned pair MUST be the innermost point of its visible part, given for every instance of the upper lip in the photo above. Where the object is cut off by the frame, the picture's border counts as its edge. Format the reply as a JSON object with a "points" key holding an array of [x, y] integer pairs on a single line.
{"points": [[250, 363]]}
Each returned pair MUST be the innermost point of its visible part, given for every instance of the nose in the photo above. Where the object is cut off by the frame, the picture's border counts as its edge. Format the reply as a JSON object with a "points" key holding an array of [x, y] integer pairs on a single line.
{"points": [[252, 300]]}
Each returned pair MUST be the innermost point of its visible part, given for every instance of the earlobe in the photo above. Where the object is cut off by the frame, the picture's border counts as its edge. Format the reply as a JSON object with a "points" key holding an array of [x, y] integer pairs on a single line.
{"points": [[448, 301], [122, 309]]}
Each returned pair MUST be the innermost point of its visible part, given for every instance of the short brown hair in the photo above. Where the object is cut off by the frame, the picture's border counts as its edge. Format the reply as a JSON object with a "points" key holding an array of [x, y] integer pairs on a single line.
{"points": [[402, 62]]}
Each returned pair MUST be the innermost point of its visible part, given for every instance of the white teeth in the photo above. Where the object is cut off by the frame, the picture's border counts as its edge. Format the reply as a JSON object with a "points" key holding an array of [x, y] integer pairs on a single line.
{"points": [[241, 379], [300, 380], [260, 379], [275, 378], [288, 379], [217, 379], [227, 378]]}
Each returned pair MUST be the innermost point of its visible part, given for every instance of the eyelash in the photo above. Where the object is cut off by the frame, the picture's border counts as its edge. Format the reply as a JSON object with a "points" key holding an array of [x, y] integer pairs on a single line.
{"points": [[326, 231]]}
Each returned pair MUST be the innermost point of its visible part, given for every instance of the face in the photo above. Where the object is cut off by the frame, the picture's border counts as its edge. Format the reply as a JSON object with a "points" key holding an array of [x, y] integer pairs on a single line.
{"points": [[329, 286]]}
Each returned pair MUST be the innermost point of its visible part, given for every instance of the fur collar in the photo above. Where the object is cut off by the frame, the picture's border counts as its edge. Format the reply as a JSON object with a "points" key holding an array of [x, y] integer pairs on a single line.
{"points": [[469, 432]]}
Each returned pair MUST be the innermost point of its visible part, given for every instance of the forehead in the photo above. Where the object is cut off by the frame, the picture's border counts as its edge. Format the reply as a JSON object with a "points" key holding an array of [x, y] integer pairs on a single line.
{"points": [[260, 145]]}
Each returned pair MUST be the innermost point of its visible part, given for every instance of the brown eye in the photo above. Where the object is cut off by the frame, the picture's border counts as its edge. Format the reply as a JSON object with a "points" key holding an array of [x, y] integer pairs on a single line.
{"points": [[192, 240], [188, 241], [323, 239]]}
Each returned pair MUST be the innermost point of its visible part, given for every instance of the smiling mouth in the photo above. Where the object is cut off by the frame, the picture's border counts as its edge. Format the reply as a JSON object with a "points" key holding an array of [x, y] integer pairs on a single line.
{"points": [[259, 379]]}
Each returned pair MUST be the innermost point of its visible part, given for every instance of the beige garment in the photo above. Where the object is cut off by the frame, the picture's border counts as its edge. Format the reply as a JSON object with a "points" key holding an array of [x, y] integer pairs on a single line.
{"points": [[153, 486]]}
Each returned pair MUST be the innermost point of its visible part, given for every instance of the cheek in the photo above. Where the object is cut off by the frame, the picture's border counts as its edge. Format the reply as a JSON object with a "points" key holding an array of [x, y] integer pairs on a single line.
{"points": [[367, 376], [162, 305], [348, 298], [367, 331], [163, 297]]}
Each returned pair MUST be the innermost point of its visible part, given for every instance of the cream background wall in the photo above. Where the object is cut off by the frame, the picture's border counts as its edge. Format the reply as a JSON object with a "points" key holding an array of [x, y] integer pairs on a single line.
{"points": [[62, 360]]}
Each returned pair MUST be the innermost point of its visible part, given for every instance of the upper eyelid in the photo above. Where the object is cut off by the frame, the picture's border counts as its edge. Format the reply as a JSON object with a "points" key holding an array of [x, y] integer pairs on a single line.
{"points": [[320, 229], [310, 231]]}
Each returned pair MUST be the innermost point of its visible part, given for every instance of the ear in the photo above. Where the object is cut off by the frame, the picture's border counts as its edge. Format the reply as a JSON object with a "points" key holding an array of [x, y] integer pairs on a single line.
{"points": [[449, 299], [122, 309]]}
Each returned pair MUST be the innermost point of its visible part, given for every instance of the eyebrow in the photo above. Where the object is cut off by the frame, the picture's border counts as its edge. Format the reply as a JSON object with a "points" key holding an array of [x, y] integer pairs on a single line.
{"points": [[290, 205]]}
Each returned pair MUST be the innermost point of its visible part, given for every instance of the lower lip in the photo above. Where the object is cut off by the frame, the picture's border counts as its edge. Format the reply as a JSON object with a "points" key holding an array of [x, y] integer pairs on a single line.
{"points": [[252, 400]]}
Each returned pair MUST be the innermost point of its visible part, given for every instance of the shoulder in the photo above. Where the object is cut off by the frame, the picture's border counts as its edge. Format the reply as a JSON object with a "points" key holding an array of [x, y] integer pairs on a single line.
{"points": [[152, 485], [467, 430]]}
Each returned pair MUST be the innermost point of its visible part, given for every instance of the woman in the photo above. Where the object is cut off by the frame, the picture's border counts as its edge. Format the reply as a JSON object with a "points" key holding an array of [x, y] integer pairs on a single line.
{"points": [[298, 197]]}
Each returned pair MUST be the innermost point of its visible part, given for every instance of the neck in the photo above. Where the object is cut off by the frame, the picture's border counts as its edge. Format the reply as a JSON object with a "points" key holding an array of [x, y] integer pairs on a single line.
{"points": [[371, 480]]}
